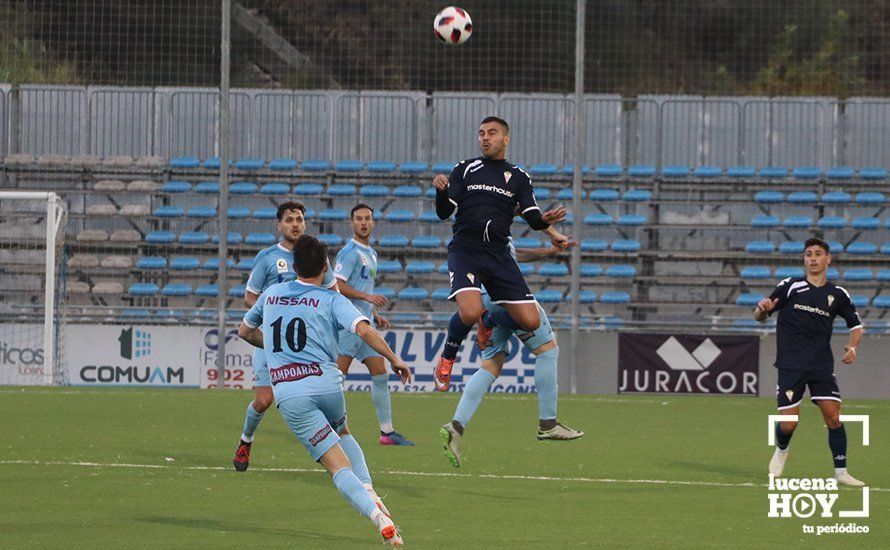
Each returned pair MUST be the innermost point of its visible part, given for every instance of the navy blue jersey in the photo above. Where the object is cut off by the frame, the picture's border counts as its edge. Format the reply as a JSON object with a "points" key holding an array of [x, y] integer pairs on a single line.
{"points": [[485, 193], [805, 322]]}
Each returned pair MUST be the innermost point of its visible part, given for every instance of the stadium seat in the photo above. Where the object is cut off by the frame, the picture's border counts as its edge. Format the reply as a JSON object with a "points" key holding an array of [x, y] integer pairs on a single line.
{"points": [[185, 162], [381, 166], [426, 241], [877, 326], [374, 191], [865, 223], [201, 212], [768, 197], [603, 195], [625, 245], [413, 293], [746, 324], [764, 220], [641, 171], [885, 249], [708, 172], [399, 216], [861, 248], [554, 270], [881, 302], [407, 192], [441, 293], [760, 247], [419, 268], [883, 275], [832, 222], [741, 172], [212, 264], [242, 188], [832, 273], [748, 299], [802, 197], [348, 166], [250, 164], [859, 301], [265, 213], [621, 271], [207, 187], [393, 241], [591, 270], [430, 193], [836, 197], [631, 220], [234, 237], [413, 167], [539, 170], [608, 170], [637, 195], [330, 239], [342, 190], [584, 297], [675, 171], [598, 219], [569, 170], [135, 313], [176, 187], [870, 197], [235, 315], [526, 269], [527, 242], [194, 237], [428, 216], [542, 194], [237, 291], [785, 272], [872, 173], [798, 221], [168, 212], [275, 188], [283, 164], [773, 172], [755, 272], [548, 296], [858, 274], [260, 239], [245, 264], [214, 163], [840, 173], [185, 264], [237, 212], [594, 245], [316, 165], [143, 289], [176, 289], [791, 247], [151, 262], [615, 297], [567, 194], [333, 215], [308, 189], [388, 266], [806, 173], [207, 291], [160, 237]]}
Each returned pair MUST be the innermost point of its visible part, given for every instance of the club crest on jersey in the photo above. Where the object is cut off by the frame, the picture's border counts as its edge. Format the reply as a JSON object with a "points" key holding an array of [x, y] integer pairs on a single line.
{"points": [[507, 176], [282, 265], [364, 258], [830, 300]]}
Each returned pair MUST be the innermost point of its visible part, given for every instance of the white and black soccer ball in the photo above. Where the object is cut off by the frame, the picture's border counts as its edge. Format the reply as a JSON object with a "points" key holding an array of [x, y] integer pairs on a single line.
{"points": [[453, 26]]}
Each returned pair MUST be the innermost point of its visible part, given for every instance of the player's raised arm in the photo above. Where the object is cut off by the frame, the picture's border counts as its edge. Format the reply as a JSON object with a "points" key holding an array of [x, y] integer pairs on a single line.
{"points": [[449, 191], [773, 302], [366, 332]]}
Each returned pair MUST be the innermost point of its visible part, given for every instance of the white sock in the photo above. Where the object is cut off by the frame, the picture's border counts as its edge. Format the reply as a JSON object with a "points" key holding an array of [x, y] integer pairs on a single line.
{"points": [[387, 428], [783, 451], [375, 515], [839, 471], [247, 439]]}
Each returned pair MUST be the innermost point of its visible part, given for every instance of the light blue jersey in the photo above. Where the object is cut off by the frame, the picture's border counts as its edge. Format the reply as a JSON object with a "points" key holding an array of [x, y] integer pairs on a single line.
{"points": [[300, 322], [274, 265], [357, 265]]}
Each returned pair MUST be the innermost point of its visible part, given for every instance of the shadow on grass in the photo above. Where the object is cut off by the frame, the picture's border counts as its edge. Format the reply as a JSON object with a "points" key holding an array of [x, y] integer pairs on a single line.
{"points": [[217, 526]]}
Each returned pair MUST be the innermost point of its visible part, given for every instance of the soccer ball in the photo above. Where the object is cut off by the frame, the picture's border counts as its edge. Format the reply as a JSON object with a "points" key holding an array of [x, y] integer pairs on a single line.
{"points": [[453, 26]]}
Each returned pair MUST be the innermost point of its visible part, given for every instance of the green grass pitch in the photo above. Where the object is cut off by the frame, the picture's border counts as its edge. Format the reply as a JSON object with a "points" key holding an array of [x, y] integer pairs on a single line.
{"points": [[122, 468]]}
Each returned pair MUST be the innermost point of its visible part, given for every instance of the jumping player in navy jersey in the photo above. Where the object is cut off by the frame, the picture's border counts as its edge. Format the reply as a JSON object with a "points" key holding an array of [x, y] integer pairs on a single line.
{"points": [[807, 307], [485, 191]]}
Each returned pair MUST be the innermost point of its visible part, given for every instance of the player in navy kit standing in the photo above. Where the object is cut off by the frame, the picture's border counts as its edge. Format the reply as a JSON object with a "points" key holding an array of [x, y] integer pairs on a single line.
{"points": [[485, 191], [807, 307]]}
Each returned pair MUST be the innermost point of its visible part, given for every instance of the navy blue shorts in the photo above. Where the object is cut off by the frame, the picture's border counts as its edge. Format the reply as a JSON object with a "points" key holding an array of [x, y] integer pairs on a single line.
{"points": [[471, 268], [793, 383]]}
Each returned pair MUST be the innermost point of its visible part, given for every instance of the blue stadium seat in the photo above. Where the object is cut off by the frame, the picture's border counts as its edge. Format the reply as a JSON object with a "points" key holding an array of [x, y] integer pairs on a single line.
{"points": [[419, 268], [542, 193], [883, 275], [785, 272], [330, 239], [881, 302], [637, 195], [413, 167], [194, 237], [591, 270], [769, 197], [441, 293], [708, 172], [791, 247], [426, 241], [242, 188], [885, 249], [238, 212], [631, 220], [625, 245], [832, 222], [333, 215], [548, 296], [374, 191], [540, 170], [594, 245], [214, 163], [859, 301], [798, 221], [245, 264], [527, 242], [283, 164], [840, 173], [764, 220], [185, 162], [265, 213], [443, 268], [584, 297], [615, 297], [858, 274], [316, 165], [388, 266], [443, 167], [756, 272], [135, 313], [553, 270], [177, 289], [308, 189], [749, 299], [621, 271], [349, 166], [865, 223], [260, 239], [835, 247], [381, 166], [176, 187], [603, 195], [569, 170], [741, 172], [143, 289], [873, 173], [870, 197], [877, 326], [207, 291], [428, 216], [407, 192], [760, 247], [185, 264], [598, 219], [207, 187], [675, 171], [745, 324], [862, 248], [526, 269], [832, 273], [234, 237], [413, 293], [201, 212], [567, 194], [168, 212], [342, 190], [393, 241], [836, 197], [160, 237], [151, 262], [237, 291], [608, 170], [773, 172], [235, 315], [250, 164], [806, 173], [641, 171], [399, 216], [275, 188], [212, 264], [802, 197]]}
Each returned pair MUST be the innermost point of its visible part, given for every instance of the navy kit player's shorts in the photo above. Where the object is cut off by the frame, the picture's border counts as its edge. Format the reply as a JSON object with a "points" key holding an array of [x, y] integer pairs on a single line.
{"points": [[793, 383], [471, 268]]}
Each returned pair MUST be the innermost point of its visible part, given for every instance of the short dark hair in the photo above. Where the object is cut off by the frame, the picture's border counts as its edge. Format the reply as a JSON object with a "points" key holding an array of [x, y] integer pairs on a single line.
{"points": [[499, 120], [816, 241], [290, 205], [358, 207], [310, 256]]}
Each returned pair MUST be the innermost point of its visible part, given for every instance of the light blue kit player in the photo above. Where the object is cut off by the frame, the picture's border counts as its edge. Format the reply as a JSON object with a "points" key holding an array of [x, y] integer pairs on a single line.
{"points": [[541, 342], [355, 270], [273, 265], [296, 324]]}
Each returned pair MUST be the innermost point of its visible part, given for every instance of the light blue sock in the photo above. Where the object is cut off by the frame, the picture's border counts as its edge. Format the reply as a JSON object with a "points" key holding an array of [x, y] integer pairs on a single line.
{"points": [[356, 458], [351, 488], [472, 396], [545, 380], [380, 397], [251, 421]]}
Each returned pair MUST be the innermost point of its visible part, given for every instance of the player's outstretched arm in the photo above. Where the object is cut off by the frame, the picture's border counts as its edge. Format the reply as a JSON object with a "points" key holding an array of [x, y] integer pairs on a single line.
{"points": [[444, 205], [250, 298], [763, 309], [851, 346], [366, 332], [253, 336], [374, 299]]}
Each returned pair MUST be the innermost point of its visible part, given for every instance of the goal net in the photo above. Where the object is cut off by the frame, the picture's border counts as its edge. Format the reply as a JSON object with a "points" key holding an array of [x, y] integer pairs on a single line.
{"points": [[32, 320]]}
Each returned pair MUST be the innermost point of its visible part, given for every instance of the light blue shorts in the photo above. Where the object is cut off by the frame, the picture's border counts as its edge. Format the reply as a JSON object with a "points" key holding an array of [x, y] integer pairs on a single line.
{"points": [[353, 346], [260, 369], [500, 337], [315, 420]]}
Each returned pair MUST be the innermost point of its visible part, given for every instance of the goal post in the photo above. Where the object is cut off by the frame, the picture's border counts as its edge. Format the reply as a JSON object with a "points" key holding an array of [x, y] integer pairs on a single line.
{"points": [[32, 236]]}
